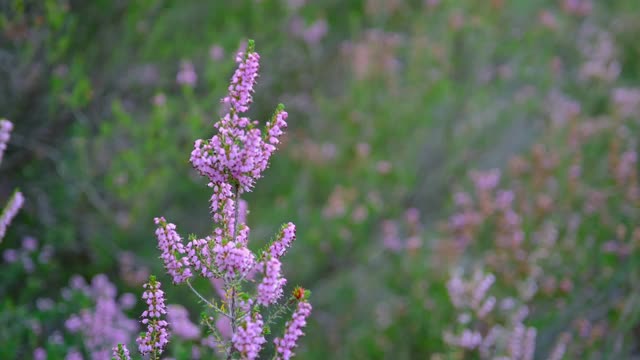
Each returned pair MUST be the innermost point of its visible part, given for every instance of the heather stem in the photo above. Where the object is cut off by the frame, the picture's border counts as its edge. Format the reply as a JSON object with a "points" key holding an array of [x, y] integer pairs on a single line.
{"points": [[237, 212], [232, 315], [199, 295]]}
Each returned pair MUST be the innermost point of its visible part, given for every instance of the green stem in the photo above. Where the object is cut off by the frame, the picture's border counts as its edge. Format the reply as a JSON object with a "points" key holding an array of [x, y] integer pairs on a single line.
{"points": [[237, 213], [200, 296]]}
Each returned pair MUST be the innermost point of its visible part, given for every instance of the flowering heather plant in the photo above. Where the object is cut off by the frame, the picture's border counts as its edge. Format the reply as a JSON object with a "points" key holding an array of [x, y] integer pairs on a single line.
{"points": [[232, 160], [103, 324], [577, 202], [491, 328], [17, 199]]}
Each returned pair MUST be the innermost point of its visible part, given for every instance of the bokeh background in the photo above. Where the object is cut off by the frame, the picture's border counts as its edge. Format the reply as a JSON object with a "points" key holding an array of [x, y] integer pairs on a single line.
{"points": [[439, 154]]}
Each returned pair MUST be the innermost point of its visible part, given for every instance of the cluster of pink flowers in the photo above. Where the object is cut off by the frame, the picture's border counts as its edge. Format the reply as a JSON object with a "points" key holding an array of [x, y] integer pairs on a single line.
{"points": [[492, 328], [187, 75], [232, 160], [105, 324], [28, 255], [156, 336], [5, 134], [248, 338], [284, 240], [171, 246], [120, 352], [285, 345], [410, 241], [17, 199], [270, 289], [181, 326]]}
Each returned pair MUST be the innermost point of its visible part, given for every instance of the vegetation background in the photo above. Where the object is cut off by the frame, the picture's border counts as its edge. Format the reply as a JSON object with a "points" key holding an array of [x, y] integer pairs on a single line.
{"points": [[408, 120]]}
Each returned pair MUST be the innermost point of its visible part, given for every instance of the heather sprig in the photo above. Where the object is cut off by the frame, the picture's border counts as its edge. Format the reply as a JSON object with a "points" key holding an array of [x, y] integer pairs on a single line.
{"points": [[154, 340], [293, 331], [232, 160], [120, 352], [17, 199]]}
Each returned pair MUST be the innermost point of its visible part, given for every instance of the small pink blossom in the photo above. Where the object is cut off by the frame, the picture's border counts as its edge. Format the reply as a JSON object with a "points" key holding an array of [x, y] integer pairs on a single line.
{"points": [[216, 53], [187, 75]]}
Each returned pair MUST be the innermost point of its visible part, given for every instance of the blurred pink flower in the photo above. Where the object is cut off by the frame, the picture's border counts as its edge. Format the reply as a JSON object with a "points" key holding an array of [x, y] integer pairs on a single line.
{"points": [[216, 53], [159, 99], [187, 74]]}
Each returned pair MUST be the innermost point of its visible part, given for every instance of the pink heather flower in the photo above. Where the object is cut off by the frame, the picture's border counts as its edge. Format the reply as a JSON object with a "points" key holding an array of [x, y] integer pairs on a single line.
{"points": [[470, 339], [200, 255], [127, 301], [243, 210], [284, 240], [285, 345], [412, 216], [187, 74], [39, 354], [239, 152], [156, 337], [462, 199], [10, 211], [577, 7], [626, 100], [105, 324], [5, 134], [516, 341], [120, 352], [485, 180], [270, 289], [216, 52], [159, 99], [29, 244], [10, 255], [233, 258], [173, 251], [218, 285], [45, 254], [27, 264], [181, 326], [530, 344], [243, 81], [486, 307], [560, 348], [504, 199], [44, 304], [626, 165], [383, 166], [456, 289], [223, 324], [390, 236], [316, 31], [481, 289], [248, 338], [73, 355]]}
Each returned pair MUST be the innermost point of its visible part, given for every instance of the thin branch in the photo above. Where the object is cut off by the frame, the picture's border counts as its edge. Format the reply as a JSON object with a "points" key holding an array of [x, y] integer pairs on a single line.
{"points": [[200, 296]]}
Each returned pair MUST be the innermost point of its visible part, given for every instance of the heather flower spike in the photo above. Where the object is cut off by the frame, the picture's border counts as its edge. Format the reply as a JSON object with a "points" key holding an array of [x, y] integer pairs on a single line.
{"points": [[232, 160], [17, 199], [293, 331], [10, 211], [121, 352], [156, 337]]}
